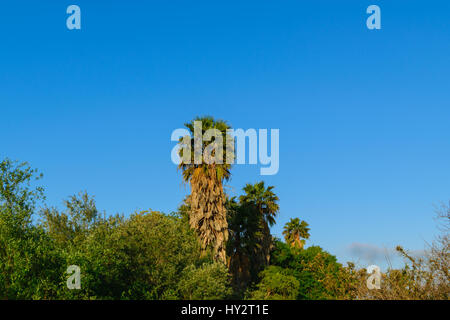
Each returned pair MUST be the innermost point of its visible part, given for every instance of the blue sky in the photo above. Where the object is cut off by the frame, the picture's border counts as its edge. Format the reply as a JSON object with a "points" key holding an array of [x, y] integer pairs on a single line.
{"points": [[363, 114]]}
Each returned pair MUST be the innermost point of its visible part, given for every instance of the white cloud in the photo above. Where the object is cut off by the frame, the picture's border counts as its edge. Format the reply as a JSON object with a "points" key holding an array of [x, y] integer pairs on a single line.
{"points": [[369, 253]]}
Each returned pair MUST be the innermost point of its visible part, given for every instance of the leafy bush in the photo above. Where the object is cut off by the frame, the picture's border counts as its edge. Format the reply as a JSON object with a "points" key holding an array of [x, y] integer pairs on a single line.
{"points": [[142, 257], [29, 264], [318, 272], [150, 255], [276, 284], [207, 282]]}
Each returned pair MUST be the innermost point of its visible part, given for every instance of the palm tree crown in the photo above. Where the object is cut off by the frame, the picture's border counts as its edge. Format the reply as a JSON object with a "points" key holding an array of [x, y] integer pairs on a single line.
{"points": [[265, 200], [294, 230]]}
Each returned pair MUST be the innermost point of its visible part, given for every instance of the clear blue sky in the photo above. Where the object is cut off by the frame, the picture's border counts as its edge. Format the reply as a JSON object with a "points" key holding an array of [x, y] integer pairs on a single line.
{"points": [[363, 115]]}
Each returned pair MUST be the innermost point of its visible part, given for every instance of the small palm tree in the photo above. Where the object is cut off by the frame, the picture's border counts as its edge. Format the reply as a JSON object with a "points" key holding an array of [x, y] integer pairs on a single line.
{"points": [[294, 230], [207, 199]]}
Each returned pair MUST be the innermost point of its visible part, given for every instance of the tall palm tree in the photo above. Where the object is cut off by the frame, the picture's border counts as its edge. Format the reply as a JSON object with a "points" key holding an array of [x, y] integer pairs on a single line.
{"points": [[265, 201], [207, 199], [294, 230]]}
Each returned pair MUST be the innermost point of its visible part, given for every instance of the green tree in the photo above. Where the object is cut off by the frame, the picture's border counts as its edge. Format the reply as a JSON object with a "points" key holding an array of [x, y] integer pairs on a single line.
{"points": [[142, 257], [30, 267], [318, 272], [209, 281], [80, 218], [276, 284]]}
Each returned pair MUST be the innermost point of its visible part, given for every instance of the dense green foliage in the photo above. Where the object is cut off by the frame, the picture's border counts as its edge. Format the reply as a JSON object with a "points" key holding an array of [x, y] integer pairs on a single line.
{"points": [[207, 282], [148, 255], [276, 284], [25, 249], [318, 272], [152, 255]]}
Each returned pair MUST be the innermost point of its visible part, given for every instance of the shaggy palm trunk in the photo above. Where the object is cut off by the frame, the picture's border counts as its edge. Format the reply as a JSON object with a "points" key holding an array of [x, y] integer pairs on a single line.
{"points": [[208, 213], [297, 242], [264, 247], [267, 244], [239, 265]]}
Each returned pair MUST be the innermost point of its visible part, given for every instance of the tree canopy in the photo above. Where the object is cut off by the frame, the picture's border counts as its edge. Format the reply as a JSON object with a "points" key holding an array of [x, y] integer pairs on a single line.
{"points": [[214, 247]]}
